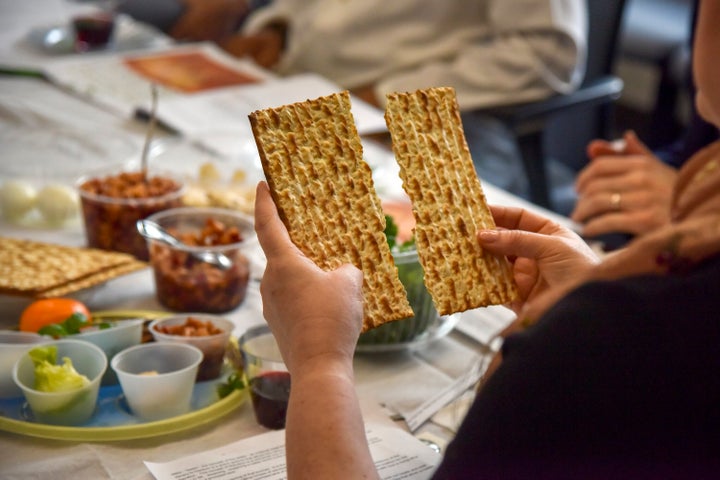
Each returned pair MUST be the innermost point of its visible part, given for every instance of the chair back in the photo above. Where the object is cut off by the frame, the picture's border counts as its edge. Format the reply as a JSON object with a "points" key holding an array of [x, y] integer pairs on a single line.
{"points": [[605, 19], [567, 134]]}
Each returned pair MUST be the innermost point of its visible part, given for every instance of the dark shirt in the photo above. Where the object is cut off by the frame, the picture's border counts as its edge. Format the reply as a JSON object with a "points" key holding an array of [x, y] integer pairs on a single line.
{"points": [[620, 379], [698, 134]]}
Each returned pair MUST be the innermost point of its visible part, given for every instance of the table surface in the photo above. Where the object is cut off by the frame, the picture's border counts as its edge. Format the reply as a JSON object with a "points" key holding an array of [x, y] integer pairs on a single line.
{"points": [[35, 118]]}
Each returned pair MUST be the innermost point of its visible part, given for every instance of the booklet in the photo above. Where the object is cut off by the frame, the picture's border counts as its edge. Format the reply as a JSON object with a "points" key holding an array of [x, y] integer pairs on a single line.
{"points": [[121, 81], [218, 115], [396, 453], [203, 92]]}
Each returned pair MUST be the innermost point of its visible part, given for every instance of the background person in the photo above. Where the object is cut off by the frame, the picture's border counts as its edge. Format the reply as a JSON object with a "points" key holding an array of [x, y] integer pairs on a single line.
{"points": [[626, 190], [485, 49], [192, 20]]}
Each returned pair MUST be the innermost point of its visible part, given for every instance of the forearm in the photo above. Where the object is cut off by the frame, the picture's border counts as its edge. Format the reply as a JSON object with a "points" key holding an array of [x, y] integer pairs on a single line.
{"points": [[325, 432]]}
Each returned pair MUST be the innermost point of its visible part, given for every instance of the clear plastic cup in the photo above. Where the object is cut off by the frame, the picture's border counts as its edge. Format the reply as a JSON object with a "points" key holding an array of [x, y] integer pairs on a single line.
{"points": [[185, 284], [212, 346], [110, 220]]}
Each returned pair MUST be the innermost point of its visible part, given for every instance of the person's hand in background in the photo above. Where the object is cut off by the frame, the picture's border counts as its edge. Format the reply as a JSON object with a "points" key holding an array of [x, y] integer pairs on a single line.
{"points": [[367, 93], [209, 20], [264, 48], [623, 190]]}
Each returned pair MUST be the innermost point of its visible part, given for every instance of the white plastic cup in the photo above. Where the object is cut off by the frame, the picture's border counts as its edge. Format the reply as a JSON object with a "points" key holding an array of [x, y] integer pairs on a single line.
{"points": [[73, 407], [157, 379]]}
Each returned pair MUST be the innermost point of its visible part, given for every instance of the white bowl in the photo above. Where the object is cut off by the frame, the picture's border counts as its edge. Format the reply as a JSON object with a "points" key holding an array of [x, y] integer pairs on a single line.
{"points": [[13, 345], [121, 335]]}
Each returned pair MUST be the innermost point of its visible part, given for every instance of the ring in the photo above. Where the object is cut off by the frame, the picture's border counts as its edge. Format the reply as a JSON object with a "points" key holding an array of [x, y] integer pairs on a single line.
{"points": [[615, 200]]}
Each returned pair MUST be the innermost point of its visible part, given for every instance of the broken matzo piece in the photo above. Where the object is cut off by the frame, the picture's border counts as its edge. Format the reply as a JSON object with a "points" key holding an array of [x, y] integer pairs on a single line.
{"points": [[448, 202]]}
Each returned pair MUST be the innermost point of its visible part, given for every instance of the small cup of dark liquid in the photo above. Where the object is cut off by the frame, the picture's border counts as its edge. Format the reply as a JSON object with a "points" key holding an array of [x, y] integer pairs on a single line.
{"points": [[93, 31], [267, 376]]}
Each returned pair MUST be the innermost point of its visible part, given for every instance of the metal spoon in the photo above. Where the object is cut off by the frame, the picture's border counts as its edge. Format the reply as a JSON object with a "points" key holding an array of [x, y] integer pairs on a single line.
{"points": [[153, 231]]}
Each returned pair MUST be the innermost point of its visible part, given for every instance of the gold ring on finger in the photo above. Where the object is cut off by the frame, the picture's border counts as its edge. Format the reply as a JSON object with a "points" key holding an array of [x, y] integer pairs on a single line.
{"points": [[615, 200]]}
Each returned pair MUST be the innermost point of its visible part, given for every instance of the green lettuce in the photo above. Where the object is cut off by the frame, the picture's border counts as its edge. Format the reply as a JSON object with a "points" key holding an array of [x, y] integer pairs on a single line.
{"points": [[51, 377]]}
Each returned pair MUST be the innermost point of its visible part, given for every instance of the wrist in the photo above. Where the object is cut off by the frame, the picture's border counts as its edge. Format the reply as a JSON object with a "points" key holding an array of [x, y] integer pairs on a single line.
{"points": [[330, 365]]}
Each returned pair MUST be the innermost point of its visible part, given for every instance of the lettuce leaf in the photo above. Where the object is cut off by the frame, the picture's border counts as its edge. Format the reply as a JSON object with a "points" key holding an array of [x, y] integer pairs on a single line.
{"points": [[51, 377]]}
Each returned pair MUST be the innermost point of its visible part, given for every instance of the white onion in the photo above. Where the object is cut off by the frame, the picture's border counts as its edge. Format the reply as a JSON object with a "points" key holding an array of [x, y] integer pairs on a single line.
{"points": [[57, 203], [17, 198]]}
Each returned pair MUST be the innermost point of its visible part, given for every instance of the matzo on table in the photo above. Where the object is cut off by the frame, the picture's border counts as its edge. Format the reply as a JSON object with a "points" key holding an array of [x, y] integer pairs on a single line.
{"points": [[38, 269]]}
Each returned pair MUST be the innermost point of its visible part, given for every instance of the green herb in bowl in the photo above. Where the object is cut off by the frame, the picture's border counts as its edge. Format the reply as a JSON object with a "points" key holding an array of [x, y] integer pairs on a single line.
{"points": [[74, 324], [411, 275], [51, 376]]}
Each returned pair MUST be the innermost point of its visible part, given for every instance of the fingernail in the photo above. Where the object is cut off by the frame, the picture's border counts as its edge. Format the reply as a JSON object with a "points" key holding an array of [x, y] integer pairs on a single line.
{"points": [[489, 236]]}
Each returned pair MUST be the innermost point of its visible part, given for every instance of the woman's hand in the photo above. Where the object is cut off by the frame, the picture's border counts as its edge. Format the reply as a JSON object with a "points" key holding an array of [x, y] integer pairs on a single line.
{"points": [[209, 20], [543, 253], [265, 47], [314, 315], [625, 189]]}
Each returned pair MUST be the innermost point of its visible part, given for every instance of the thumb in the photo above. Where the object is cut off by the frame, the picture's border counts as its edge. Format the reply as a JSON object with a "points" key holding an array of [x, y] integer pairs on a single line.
{"points": [[271, 232], [352, 273], [599, 147], [633, 145]]}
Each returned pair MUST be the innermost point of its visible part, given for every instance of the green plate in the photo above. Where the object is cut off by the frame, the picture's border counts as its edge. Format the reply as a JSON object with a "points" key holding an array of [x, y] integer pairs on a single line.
{"points": [[112, 419], [121, 425]]}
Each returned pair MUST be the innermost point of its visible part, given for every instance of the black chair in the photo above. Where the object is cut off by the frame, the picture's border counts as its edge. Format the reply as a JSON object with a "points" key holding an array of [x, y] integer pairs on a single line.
{"points": [[561, 126], [656, 34]]}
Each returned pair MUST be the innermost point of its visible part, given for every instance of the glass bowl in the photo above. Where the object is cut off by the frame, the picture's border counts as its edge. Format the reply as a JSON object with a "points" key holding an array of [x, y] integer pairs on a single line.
{"points": [[425, 325], [113, 200], [184, 283]]}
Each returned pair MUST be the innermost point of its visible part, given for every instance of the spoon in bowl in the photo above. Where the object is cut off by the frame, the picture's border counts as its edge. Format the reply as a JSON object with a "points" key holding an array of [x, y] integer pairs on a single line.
{"points": [[153, 231]]}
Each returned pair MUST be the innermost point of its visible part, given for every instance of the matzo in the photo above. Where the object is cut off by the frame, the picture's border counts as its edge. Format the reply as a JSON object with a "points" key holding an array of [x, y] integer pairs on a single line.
{"points": [[448, 202], [36, 269], [312, 159]]}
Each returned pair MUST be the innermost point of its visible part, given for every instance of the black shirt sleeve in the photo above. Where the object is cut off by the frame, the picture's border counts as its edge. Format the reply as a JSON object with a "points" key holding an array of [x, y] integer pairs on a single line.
{"points": [[612, 382]]}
